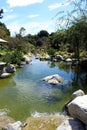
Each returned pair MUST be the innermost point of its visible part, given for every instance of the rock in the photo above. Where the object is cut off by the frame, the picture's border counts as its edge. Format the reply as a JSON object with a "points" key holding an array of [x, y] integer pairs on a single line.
{"points": [[38, 56], [27, 59], [54, 79], [71, 124], [78, 108], [65, 57], [4, 75], [14, 126], [2, 63], [77, 93], [4, 120], [54, 59], [73, 96], [10, 68], [48, 57], [59, 57], [68, 60]]}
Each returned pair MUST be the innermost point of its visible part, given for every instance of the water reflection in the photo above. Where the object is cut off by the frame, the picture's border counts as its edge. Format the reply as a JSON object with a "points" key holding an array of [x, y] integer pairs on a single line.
{"points": [[25, 92], [6, 82]]}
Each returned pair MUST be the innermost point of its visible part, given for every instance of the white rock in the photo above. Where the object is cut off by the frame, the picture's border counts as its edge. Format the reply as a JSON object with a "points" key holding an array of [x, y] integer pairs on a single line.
{"points": [[2, 63], [54, 79], [14, 126], [4, 75], [77, 93], [59, 57], [68, 60], [71, 124], [78, 108], [27, 59]]}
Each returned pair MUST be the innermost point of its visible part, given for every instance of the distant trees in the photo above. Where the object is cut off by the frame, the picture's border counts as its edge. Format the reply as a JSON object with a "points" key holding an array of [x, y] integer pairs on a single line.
{"points": [[71, 38], [4, 32], [43, 33]]}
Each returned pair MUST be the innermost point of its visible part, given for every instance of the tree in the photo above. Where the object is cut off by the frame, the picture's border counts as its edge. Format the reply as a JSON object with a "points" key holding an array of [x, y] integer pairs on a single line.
{"points": [[4, 32], [68, 18], [1, 12], [77, 37], [22, 31], [76, 25], [43, 33]]}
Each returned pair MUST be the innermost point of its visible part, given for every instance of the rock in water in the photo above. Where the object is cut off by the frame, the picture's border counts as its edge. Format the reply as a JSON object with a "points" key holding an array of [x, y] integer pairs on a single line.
{"points": [[54, 79], [78, 108]]}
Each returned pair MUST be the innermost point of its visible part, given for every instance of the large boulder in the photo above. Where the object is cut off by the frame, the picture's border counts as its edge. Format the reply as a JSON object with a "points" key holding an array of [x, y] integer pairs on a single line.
{"points": [[73, 96], [77, 108], [71, 124], [54, 79]]}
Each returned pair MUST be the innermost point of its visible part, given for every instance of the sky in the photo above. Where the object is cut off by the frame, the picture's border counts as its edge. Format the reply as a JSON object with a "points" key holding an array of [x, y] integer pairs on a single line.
{"points": [[33, 15]]}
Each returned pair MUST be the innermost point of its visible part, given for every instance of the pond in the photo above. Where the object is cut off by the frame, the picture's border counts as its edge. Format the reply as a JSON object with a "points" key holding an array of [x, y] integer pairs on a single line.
{"points": [[25, 94]]}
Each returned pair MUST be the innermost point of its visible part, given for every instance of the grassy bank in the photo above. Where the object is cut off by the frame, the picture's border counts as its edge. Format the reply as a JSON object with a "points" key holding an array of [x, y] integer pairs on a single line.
{"points": [[36, 123]]}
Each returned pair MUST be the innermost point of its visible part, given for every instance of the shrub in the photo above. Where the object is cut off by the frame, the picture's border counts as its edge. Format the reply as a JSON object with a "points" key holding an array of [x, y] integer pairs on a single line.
{"points": [[51, 51], [14, 57]]}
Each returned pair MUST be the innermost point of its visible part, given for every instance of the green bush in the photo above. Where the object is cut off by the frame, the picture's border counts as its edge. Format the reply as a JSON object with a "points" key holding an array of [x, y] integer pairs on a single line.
{"points": [[61, 53], [7, 57], [51, 51], [15, 57]]}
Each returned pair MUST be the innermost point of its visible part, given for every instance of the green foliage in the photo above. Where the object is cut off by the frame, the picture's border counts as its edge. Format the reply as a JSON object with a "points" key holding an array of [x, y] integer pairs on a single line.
{"points": [[7, 57], [77, 37], [63, 47], [4, 32], [15, 57], [83, 54], [61, 53], [51, 51], [43, 33]]}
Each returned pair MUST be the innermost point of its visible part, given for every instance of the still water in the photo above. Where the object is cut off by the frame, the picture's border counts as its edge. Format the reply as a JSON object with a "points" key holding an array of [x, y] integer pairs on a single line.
{"points": [[24, 93]]}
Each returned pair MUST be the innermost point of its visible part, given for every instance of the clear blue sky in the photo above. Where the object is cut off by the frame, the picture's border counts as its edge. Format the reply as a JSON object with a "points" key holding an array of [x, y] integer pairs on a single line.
{"points": [[33, 15]]}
